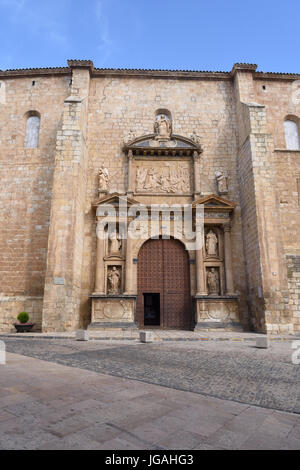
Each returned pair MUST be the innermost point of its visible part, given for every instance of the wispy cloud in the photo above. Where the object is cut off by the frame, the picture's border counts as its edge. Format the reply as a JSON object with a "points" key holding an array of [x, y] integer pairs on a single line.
{"points": [[105, 45], [36, 18]]}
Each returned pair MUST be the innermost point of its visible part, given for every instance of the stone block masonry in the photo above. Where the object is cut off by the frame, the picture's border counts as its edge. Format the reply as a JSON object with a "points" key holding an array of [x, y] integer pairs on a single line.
{"points": [[47, 194]]}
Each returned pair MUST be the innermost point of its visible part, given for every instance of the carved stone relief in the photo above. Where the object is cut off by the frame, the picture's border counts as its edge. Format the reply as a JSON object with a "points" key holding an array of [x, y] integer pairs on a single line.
{"points": [[166, 178], [223, 311], [113, 310]]}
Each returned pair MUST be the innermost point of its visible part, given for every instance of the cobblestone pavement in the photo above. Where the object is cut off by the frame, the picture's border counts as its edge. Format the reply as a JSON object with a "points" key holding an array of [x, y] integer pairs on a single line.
{"points": [[44, 405], [236, 371]]}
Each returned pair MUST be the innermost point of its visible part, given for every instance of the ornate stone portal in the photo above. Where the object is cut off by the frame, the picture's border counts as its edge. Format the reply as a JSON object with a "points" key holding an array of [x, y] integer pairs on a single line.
{"points": [[160, 166]]}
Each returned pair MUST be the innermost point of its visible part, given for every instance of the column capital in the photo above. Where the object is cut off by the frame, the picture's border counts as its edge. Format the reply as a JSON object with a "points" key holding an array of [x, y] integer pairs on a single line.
{"points": [[196, 155]]}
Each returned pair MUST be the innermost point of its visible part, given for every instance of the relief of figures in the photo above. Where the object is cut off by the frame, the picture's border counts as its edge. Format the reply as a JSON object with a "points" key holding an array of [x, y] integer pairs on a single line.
{"points": [[211, 244], [163, 180], [114, 280], [213, 281]]}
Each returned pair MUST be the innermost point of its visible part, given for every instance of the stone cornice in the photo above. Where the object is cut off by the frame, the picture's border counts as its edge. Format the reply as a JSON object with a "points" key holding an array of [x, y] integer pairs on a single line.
{"points": [[146, 73], [35, 72]]}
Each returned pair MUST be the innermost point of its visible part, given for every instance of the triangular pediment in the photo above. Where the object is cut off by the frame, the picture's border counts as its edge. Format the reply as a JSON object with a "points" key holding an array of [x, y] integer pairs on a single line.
{"points": [[151, 143], [114, 199], [214, 202]]}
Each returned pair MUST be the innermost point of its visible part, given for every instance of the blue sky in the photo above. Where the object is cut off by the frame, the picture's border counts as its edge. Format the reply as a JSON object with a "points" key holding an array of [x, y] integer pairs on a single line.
{"points": [[168, 34]]}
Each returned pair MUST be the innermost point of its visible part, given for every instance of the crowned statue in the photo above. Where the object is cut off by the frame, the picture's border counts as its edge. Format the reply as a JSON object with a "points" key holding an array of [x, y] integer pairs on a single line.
{"points": [[162, 127]]}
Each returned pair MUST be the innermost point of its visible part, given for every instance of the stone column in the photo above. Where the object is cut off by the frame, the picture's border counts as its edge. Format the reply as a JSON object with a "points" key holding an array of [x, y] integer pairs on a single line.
{"points": [[128, 267], [130, 184], [196, 175], [228, 260], [200, 274], [99, 278]]}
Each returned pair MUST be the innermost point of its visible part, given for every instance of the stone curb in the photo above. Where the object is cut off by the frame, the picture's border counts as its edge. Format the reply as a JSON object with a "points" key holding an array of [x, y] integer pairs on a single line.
{"points": [[130, 338]]}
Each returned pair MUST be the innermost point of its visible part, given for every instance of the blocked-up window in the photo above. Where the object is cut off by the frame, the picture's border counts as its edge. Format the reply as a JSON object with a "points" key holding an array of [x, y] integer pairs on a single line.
{"points": [[291, 135], [32, 132]]}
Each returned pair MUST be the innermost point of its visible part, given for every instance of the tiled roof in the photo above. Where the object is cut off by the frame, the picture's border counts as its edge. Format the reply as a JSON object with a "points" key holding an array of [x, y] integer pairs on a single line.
{"points": [[146, 72]]}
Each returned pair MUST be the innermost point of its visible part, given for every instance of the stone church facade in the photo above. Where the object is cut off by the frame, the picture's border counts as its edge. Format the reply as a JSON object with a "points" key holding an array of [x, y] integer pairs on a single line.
{"points": [[84, 149]]}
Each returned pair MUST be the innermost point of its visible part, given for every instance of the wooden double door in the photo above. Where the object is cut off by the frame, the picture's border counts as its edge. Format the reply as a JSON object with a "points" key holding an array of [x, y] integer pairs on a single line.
{"points": [[163, 285]]}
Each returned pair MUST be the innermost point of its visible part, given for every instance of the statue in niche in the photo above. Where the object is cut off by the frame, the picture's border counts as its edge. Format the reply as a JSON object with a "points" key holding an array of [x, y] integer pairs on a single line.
{"points": [[115, 242], [213, 282], [211, 244], [129, 137], [103, 176], [162, 127], [221, 182], [113, 278]]}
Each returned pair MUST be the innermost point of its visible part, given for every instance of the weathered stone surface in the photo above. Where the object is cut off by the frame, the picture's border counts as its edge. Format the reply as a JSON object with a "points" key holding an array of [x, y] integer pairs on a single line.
{"points": [[82, 335], [236, 125], [145, 336]]}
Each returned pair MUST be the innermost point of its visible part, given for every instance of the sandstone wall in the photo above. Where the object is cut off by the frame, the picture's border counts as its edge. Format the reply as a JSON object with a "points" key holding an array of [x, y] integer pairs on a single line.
{"points": [[241, 125], [25, 192]]}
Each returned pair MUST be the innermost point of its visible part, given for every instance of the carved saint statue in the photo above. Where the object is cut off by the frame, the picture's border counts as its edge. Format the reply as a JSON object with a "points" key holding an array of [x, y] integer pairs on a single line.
{"points": [[211, 244], [115, 242], [213, 282], [196, 138], [113, 278], [162, 127], [129, 137], [103, 179], [221, 182]]}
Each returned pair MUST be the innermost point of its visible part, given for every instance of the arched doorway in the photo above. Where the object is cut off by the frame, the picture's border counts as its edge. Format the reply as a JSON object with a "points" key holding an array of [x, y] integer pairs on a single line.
{"points": [[163, 285]]}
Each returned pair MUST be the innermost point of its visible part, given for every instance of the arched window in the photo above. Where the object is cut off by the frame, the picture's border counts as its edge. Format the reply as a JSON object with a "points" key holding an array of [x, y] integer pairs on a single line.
{"points": [[291, 135], [32, 130]]}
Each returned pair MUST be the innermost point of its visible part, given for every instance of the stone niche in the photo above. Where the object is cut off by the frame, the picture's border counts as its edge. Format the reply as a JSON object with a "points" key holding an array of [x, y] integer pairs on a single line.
{"points": [[113, 312], [216, 304]]}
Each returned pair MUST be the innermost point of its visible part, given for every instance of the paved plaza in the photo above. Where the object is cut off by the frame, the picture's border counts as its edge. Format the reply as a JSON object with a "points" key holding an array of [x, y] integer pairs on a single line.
{"points": [[218, 393]]}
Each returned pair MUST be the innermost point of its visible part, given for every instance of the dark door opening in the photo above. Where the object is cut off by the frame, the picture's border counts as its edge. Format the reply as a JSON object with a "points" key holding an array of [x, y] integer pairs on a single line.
{"points": [[152, 309]]}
